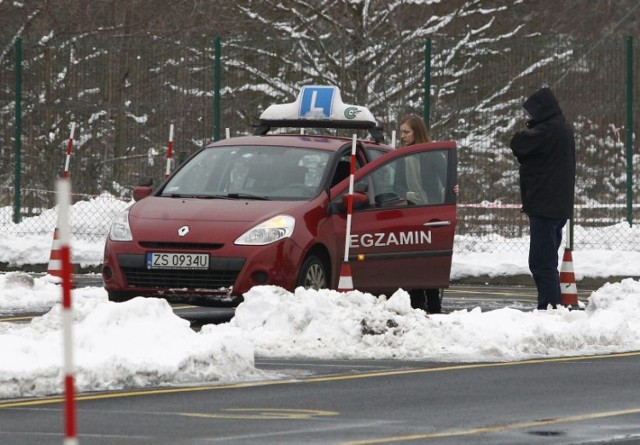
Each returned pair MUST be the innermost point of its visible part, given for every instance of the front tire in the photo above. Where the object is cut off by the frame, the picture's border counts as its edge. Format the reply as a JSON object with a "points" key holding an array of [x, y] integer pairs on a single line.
{"points": [[313, 274]]}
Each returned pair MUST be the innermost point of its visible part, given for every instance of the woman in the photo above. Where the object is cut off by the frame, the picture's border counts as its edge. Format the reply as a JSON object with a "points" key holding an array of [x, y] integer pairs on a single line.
{"points": [[414, 131]]}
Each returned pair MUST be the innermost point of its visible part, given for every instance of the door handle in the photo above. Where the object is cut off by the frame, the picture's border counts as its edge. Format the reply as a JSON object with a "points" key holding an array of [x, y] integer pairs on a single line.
{"points": [[437, 223]]}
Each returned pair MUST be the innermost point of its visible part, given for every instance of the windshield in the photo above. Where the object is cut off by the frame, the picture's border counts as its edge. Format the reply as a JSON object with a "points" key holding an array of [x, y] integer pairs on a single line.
{"points": [[251, 172]]}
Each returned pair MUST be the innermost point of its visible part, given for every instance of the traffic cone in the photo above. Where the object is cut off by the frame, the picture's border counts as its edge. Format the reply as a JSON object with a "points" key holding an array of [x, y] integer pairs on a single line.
{"points": [[345, 283], [568, 288], [55, 260]]}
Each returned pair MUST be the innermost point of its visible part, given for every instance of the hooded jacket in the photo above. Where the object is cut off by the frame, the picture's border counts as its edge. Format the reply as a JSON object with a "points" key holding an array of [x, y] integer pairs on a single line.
{"points": [[547, 155]]}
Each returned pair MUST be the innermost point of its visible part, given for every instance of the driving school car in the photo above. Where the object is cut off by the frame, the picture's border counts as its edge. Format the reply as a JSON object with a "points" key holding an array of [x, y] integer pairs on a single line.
{"points": [[271, 209]]}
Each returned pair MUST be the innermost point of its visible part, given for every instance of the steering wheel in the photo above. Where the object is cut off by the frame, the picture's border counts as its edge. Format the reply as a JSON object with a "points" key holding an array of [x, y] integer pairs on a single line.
{"points": [[383, 198]]}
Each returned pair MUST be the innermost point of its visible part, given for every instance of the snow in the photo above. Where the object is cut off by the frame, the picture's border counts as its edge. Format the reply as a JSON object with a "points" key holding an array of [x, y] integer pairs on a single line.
{"points": [[142, 342]]}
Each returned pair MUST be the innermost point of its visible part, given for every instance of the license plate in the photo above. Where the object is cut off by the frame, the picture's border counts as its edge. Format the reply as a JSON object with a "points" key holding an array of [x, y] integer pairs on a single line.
{"points": [[177, 260]]}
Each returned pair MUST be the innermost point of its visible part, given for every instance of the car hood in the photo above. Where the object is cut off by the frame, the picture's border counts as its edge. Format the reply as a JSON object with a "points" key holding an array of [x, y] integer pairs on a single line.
{"points": [[210, 210], [180, 220]]}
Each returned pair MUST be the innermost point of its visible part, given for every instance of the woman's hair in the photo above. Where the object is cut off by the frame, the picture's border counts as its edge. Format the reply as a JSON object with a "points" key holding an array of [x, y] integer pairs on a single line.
{"points": [[420, 131]]}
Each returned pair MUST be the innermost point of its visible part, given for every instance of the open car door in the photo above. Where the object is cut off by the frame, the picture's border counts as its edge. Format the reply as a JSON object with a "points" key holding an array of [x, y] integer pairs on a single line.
{"points": [[403, 220]]}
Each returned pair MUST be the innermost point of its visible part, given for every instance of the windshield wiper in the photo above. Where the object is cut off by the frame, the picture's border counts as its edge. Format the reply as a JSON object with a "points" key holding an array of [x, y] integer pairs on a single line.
{"points": [[197, 196], [247, 196], [228, 196]]}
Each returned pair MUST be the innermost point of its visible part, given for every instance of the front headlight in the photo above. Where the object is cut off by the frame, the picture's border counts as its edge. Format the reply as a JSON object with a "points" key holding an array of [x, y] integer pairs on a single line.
{"points": [[268, 232], [120, 230]]}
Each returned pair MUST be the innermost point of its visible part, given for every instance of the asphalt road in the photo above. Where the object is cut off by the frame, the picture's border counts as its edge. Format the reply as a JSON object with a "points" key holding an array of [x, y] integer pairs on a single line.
{"points": [[561, 401], [557, 401]]}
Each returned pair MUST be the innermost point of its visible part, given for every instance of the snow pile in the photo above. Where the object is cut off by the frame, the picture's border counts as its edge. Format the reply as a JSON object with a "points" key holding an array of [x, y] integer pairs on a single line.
{"points": [[142, 342], [118, 345], [328, 324]]}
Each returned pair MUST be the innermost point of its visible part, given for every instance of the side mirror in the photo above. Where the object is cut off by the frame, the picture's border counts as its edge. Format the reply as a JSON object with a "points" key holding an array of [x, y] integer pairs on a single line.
{"points": [[141, 192], [143, 189], [360, 200]]}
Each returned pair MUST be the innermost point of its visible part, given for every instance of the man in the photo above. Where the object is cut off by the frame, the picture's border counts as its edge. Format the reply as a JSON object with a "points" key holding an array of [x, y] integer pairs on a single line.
{"points": [[546, 153]]}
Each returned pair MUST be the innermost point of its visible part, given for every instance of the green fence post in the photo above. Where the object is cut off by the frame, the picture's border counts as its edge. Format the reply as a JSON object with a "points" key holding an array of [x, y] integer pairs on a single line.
{"points": [[629, 135], [217, 69], [18, 133], [427, 83]]}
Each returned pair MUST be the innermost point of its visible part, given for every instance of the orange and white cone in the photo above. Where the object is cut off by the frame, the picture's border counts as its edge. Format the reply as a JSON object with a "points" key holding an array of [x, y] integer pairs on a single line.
{"points": [[568, 288], [345, 283], [55, 260]]}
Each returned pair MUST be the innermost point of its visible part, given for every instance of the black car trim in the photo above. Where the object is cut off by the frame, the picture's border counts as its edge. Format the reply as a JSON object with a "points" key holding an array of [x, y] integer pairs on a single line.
{"points": [[179, 246], [402, 255]]}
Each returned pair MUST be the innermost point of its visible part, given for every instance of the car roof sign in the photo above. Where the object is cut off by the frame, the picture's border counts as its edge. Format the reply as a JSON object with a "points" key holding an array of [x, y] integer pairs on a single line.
{"points": [[318, 106], [316, 102]]}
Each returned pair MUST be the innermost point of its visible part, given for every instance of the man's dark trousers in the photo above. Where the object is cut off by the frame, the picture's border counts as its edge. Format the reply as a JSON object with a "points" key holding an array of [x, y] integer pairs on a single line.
{"points": [[546, 237]]}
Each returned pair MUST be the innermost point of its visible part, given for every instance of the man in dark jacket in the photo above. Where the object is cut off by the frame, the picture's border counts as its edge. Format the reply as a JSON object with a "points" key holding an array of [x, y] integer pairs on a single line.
{"points": [[546, 153]]}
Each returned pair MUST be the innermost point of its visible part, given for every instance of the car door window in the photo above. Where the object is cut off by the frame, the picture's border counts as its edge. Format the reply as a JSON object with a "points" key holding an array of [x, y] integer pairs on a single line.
{"points": [[343, 167], [416, 179]]}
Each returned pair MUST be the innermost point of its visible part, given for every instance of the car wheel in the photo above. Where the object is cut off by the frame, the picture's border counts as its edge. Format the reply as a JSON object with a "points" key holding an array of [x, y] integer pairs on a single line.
{"points": [[313, 274]]}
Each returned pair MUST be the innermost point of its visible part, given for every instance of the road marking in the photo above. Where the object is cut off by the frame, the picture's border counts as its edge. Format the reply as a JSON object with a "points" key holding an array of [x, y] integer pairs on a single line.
{"points": [[497, 428], [17, 318], [31, 317], [263, 414], [298, 381], [184, 306], [493, 293]]}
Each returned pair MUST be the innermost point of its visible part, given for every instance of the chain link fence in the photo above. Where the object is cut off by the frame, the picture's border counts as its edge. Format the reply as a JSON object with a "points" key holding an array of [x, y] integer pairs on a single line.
{"points": [[483, 111], [124, 93]]}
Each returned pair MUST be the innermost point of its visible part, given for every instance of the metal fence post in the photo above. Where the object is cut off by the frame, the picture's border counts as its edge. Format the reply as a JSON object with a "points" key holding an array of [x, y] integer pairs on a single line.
{"points": [[217, 68], [629, 135], [18, 133], [427, 83]]}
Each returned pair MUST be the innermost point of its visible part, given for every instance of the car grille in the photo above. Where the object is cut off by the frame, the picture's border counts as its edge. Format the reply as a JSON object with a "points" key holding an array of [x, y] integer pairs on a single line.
{"points": [[178, 279]]}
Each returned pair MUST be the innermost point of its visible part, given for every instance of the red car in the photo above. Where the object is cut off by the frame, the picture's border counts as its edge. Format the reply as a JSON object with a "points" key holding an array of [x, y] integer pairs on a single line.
{"points": [[272, 210]]}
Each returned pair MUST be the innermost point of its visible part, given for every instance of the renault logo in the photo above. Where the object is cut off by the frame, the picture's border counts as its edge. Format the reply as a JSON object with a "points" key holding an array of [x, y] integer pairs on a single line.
{"points": [[182, 231]]}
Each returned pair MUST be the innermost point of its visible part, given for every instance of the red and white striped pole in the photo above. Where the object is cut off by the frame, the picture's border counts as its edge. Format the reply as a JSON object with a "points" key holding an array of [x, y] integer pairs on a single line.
{"points": [[169, 152], [64, 229], [69, 147], [55, 267], [346, 281]]}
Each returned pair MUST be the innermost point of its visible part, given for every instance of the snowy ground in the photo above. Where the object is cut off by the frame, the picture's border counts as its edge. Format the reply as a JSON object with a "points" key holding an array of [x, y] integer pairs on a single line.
{"points": [[143, 343]]}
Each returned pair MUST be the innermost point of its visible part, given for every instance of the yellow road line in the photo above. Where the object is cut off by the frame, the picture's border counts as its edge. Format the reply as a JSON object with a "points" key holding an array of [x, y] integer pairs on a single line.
{"points": [[31, 317], [491, 294], [184, 306], [263, 414], [298, 381], [17, 318], [496, 428]]}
